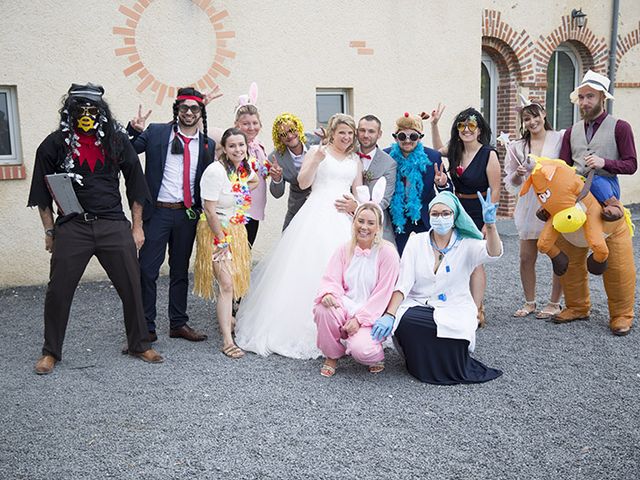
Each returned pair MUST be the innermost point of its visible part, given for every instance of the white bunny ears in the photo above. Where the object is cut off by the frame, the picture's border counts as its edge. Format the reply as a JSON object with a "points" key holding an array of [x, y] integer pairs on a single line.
{"points": [[248, 99], [377, 194]]}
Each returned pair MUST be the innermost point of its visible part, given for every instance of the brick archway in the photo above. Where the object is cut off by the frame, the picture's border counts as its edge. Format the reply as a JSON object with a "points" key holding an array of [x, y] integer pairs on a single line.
{"points": [[509, 76], [512, 54], [626, 43], [592, 52]]}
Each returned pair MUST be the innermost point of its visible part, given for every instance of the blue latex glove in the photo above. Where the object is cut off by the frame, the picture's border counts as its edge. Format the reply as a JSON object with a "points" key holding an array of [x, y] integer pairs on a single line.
{"points": [[489, 209], [382, 327]]}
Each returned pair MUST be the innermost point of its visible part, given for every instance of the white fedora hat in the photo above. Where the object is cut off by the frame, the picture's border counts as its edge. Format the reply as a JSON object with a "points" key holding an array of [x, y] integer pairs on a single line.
{"points": [[595, 81]]}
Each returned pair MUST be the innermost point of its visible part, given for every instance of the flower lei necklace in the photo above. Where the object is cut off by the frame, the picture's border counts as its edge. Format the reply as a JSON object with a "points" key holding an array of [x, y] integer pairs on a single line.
{"points": [[407, 200], [242, 194], [261, 167]]}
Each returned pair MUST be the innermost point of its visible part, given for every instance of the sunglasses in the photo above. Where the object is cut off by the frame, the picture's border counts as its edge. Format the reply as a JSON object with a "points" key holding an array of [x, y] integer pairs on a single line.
{"points": [[287, 133], [88, 111], [185, 108], [471, 125], [446, 215], [403, 136]]}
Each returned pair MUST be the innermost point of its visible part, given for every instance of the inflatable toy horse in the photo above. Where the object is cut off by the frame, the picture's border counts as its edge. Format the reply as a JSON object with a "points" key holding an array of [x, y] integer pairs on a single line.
{"points": [[574, 226]]}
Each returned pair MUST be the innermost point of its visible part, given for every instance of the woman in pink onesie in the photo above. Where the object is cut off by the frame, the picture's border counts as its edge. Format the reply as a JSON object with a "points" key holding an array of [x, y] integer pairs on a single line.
{"points": [[354, 291]]}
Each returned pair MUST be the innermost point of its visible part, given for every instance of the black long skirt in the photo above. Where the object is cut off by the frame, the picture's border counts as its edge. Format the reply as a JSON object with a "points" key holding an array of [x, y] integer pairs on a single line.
{"points": [[441, 361]]}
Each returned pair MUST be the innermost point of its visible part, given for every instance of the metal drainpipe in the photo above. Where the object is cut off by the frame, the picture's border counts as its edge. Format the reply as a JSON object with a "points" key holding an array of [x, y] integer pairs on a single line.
{"points": [[613, 51]]}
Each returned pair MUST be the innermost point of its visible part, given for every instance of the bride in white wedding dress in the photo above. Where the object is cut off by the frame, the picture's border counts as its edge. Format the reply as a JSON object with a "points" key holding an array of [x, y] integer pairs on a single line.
{"points": [[276, 316]]}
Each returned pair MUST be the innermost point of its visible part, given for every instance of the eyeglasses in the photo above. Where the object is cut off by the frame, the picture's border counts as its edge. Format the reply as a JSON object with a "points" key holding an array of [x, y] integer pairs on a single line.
{"points": [[185, 108], [89, 111], [446, 215], [287, 133], [471, 125], [403, 136]]}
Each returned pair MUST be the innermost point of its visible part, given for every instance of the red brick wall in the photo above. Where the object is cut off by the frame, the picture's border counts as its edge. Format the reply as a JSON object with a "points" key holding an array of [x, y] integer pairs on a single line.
{"points": [[522, 64]]}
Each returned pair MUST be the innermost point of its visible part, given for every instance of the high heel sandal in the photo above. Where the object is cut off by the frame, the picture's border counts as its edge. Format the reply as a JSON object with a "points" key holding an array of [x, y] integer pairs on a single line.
{"points": [[550, 309], [527, 309]]}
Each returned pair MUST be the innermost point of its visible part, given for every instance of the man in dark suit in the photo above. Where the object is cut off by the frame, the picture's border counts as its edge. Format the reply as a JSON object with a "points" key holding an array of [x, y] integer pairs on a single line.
{"points": [[409, 205], [291, 144], [176, 156]]}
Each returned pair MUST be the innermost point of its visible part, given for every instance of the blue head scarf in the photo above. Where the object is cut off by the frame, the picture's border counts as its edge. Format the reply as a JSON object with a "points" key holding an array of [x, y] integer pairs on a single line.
{"points": [[462, 222]]}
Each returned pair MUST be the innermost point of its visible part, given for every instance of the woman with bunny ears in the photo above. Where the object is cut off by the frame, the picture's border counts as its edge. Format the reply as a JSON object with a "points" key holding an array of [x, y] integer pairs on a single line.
{"points": [[247, 120], [356, 288]]}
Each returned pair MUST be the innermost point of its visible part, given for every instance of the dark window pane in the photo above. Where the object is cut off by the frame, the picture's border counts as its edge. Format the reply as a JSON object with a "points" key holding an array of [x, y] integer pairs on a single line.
{"points": [[485, 93], [328, 105], [551, 87], [5, 138], [566, 79]]}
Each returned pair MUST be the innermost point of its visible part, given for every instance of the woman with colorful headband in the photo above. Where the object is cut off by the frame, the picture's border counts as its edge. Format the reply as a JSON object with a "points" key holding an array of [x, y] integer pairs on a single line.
{"points": [[537, 138], [432, 310], [226, 190], [356, 288], [247, 119], [474, 167]]}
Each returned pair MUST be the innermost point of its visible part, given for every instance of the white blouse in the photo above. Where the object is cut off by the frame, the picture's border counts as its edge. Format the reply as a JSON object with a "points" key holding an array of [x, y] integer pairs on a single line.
{"points": [[360, 279], [215, 186], [447, 291]]}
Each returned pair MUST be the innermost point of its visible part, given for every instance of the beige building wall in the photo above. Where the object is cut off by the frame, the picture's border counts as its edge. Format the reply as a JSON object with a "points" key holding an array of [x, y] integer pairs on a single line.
{"points": [[394, 56], [288, 48]]}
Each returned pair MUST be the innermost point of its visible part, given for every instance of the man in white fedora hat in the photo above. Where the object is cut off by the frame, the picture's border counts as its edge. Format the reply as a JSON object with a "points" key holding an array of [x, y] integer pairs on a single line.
{"points": [[600, 142]]}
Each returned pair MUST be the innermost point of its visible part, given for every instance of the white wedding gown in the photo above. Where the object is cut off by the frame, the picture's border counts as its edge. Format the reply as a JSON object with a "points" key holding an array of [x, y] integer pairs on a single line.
{"points": [[276, 316]]}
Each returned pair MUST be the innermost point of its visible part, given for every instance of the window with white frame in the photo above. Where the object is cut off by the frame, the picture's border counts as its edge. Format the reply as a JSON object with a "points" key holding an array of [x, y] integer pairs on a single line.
{"points": [[489, 92], [9, 127], [562, 78], [330, 101]]}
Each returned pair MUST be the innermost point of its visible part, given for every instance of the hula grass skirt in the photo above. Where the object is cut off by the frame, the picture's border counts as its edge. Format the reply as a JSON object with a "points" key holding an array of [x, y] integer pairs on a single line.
{"points": [[239, 262]]}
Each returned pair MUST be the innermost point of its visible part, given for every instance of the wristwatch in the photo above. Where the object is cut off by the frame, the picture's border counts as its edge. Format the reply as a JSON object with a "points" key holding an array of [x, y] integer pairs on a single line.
{"points": [[49, 232]]}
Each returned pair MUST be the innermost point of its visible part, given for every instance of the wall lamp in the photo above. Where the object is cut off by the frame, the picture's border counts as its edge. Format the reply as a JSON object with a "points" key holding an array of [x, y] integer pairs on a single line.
{"points": [[579, 16]]}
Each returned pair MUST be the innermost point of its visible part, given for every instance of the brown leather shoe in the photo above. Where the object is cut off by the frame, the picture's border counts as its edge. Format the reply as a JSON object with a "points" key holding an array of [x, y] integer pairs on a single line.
{"points": [[45, 364], [188, 333], [612, 210], [153, 337], [149, 356], [568, 315]]}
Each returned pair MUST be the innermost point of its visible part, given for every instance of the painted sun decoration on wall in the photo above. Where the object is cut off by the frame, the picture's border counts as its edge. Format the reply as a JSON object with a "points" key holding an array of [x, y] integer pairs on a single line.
{"points": [[147, 80]]}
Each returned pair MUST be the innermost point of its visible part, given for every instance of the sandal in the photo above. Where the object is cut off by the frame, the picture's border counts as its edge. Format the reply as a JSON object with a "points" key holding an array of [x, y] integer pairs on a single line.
{"points": [[481, 320], [233, 351], [551, 309], [527, 309], [327, 370], [376, 367]]}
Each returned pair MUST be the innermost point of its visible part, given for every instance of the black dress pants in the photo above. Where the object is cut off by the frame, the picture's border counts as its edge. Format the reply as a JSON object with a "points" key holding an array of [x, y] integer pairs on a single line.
{"points": [[75, 243]]}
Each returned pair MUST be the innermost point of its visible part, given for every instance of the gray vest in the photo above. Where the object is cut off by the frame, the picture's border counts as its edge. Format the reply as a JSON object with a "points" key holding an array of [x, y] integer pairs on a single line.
{"points": [[602, 144]]}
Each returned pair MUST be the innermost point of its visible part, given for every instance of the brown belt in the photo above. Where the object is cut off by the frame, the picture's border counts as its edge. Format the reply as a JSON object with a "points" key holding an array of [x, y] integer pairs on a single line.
{"points": [[172, 206], [470, 196]]}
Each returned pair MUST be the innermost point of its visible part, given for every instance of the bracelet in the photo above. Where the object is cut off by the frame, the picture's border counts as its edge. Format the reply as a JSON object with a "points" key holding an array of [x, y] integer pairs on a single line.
{"points": [[218, 242], [50, 232], [222, 245], [390, 314]]}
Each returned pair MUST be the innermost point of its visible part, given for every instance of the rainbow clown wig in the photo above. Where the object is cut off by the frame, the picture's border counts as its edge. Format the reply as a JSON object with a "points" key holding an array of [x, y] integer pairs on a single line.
{"points": [[285, 120]]}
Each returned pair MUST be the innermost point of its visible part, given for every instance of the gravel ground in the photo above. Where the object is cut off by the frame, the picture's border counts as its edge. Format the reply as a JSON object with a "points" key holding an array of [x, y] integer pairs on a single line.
{"points": [[565, 408]]}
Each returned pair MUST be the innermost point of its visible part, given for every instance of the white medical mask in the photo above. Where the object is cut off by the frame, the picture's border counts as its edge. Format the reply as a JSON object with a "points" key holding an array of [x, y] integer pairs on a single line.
{"points": [[441, 225]]}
